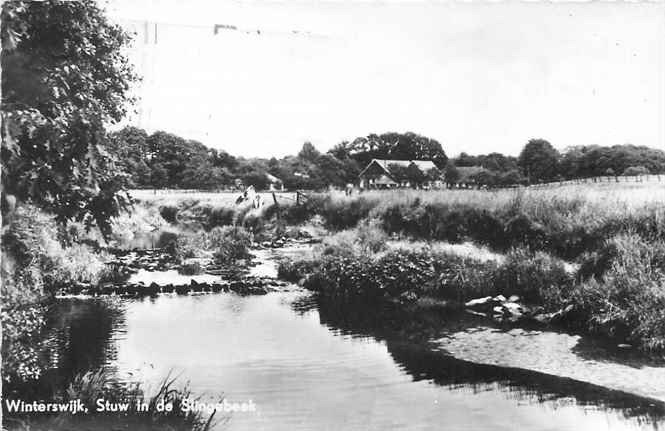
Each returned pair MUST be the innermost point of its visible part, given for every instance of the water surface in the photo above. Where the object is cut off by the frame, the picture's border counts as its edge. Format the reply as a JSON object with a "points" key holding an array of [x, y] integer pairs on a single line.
{"points": [[310, 365]]}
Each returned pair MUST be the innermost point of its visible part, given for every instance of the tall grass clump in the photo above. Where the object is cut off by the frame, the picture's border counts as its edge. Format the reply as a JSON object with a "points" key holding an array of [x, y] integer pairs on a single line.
{"points": [[364, 240], [127, 226], [91, 386], [231, 243], [33, 249], [225, 244], [537, 278], [624, 296]]}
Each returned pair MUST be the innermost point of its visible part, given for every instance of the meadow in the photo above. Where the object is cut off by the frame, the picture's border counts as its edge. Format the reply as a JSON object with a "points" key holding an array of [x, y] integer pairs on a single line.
{"points": [[596, 251]]}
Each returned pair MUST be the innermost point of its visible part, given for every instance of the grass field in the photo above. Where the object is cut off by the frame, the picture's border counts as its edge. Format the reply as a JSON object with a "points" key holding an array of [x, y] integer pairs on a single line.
{"points": [[216, 198], [605, 194], [598, 248]]}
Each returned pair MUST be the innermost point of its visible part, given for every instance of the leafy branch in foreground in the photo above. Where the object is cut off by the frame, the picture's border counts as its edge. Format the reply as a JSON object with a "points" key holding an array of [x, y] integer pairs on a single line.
{"points": [[64, 79]]}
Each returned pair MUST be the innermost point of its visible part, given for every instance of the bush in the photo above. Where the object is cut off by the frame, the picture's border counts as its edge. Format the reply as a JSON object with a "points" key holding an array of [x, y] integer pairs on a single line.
{"points": [[32, 250], [230, 243], [76, 264], [537, 278], [624, 297], [597, 263], [169, 213], [365, 240], [344, 213], [370, 238], [185, 247], [295, 270], [521, 230], [399, 272], [220, 216], [190, 268]]}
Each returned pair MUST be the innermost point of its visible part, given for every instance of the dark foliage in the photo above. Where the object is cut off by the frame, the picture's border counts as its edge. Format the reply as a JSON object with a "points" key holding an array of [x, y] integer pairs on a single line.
{"points": [[56, 99]]}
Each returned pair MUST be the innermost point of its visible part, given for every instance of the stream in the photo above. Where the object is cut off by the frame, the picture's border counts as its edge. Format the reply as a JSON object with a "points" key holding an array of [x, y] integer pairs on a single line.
{"points": [[309, 365]]}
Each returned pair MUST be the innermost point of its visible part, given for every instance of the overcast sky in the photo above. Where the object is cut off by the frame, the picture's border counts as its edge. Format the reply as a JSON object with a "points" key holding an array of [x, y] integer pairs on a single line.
{"points": [[476, 77]]}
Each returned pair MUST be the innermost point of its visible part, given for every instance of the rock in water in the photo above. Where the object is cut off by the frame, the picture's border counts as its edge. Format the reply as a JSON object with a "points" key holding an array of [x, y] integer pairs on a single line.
{"points": [[485, 303]]}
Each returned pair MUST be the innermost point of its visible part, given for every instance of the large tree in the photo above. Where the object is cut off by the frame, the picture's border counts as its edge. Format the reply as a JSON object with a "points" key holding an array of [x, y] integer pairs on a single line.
{"points": [[538, 161], [391, 145], [64, 78], [130, 146], [451, 173]]}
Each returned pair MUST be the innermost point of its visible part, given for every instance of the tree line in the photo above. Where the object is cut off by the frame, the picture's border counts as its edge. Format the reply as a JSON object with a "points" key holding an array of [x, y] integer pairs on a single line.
{"points": [[539, 162], [164, 160]]}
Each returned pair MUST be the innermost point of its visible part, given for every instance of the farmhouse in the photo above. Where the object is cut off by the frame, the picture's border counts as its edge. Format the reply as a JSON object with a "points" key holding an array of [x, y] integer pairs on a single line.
{"points": [[383, 174]]}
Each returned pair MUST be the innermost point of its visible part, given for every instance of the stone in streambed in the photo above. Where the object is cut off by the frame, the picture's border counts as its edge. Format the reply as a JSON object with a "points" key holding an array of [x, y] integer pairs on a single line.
{"points": [[153, 289], [561, 315], [247, 288], [195, 287], [133, 290], [481, 304], [182, 289]]}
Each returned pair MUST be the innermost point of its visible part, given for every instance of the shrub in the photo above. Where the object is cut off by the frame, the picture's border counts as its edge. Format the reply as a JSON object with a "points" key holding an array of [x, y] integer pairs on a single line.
{"points": [[595, 264], [485, 228], [169, 213], [33, 251], [462, 278], [537, 278], [190, 268], [185, 247], [370, 238], [521, 230], [399, 272], [230, 243], [344, 213], [76, 264], [626, 299], [219, 216], [295, 270]]}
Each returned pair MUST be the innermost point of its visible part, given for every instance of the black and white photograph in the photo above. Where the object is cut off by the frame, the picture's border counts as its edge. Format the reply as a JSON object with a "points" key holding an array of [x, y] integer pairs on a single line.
{"points": [[306, 215]]}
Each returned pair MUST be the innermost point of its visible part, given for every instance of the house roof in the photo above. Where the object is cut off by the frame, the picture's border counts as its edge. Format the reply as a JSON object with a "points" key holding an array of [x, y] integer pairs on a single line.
{"points": [[423, 165]]}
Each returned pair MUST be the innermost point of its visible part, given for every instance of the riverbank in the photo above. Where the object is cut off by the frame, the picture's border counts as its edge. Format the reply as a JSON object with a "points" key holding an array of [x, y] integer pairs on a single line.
{"points": [[595, 254], [519, 288], [349, 351], [612, 290]]}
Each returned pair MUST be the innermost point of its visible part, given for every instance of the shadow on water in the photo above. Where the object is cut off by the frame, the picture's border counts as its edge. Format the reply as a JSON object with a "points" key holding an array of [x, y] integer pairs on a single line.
{"points": [[607, 351], [406, 336], [76, 338]]}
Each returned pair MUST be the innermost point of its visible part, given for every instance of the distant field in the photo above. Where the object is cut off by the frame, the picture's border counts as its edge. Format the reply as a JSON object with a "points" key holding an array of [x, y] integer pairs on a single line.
{"points": [[216, 198], [619, 196]]}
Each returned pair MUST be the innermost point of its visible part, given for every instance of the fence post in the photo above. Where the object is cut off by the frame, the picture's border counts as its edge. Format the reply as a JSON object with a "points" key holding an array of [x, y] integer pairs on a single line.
{"points": [[297, 197], [274, 198]]}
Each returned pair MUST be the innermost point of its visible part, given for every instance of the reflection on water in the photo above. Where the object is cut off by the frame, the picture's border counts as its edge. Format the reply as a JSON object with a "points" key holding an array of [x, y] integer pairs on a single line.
{"points": [[426, 363], [158, 238], [310, 365], [78, 337]]}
